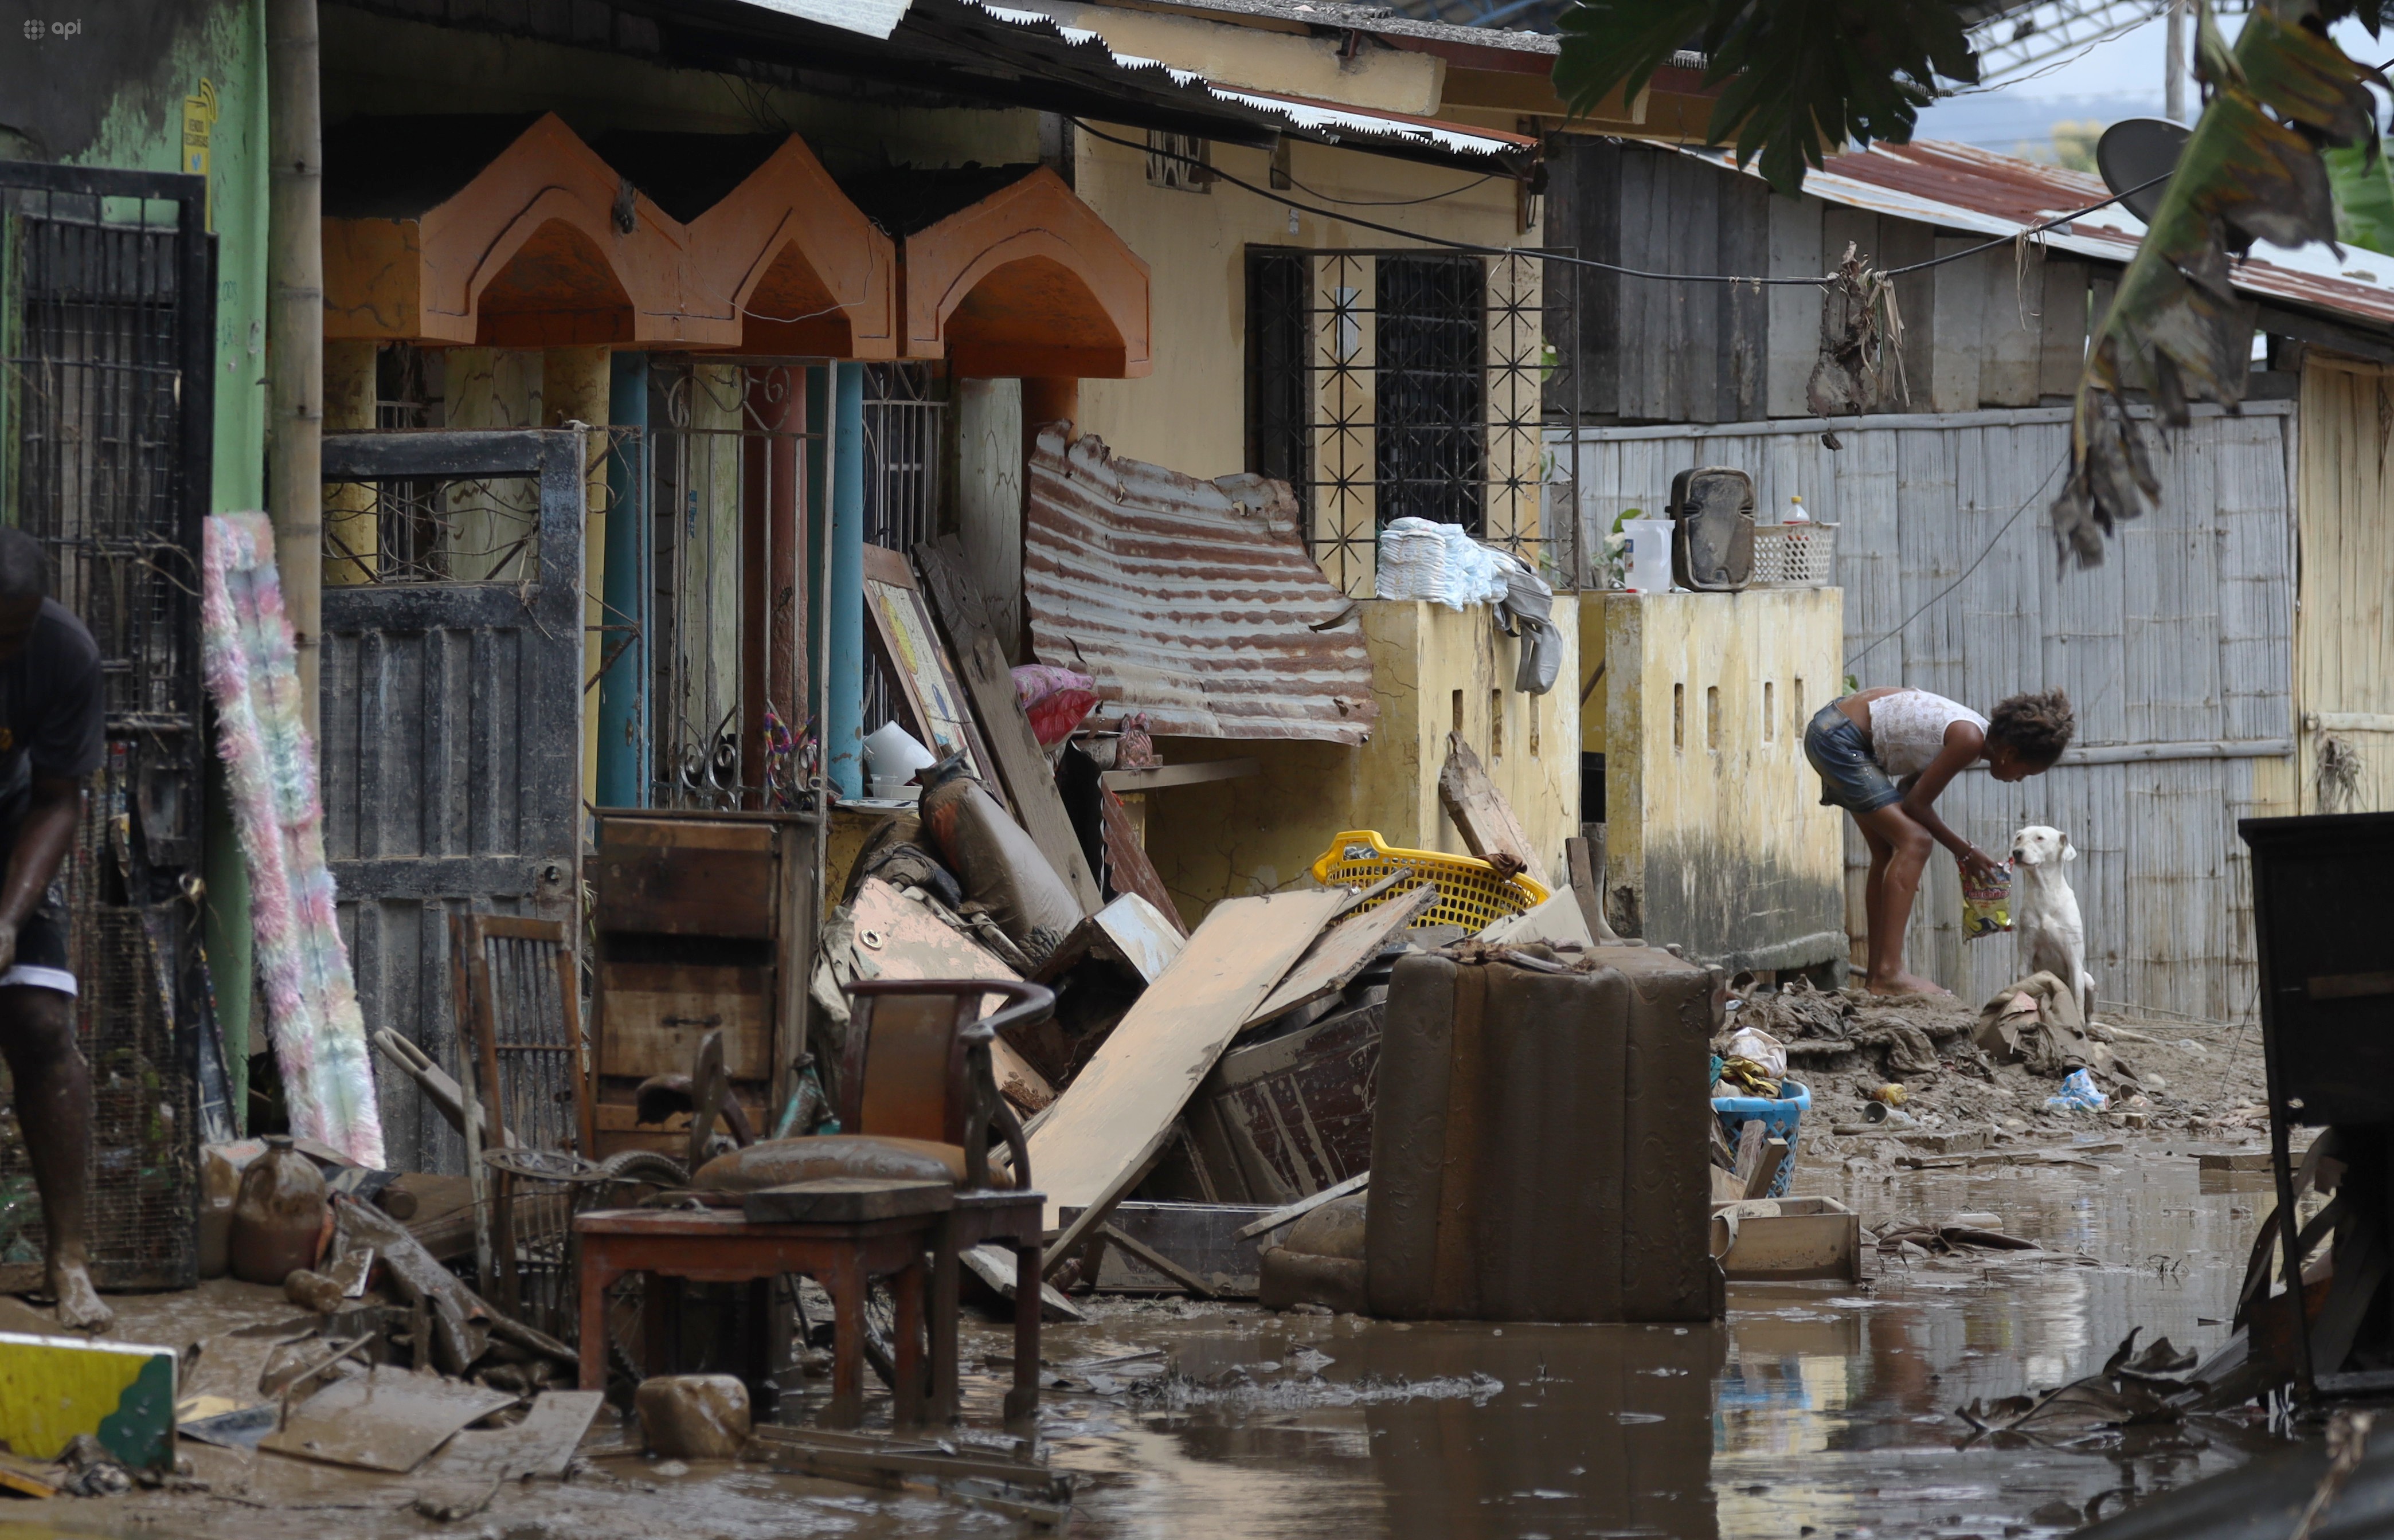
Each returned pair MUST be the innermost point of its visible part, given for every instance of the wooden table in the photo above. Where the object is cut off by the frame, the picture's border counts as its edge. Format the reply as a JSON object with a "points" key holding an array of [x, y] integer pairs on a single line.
{"points": [[722, 1246]]}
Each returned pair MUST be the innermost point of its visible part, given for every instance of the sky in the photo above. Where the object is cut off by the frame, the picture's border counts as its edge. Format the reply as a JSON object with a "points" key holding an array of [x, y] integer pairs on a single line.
{"points": [[2115, 79]]}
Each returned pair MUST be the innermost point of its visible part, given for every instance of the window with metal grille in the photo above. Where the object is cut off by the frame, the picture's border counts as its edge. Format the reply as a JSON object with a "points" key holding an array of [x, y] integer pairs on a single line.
{"points": [[1182, 162], [904, 420], [1280, 367], [1430, 454], [1387, 384]]}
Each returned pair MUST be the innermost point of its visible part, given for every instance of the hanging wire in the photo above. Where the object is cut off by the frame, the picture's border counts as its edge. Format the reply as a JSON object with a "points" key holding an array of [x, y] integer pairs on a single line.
{"points": [[1821, 281]]}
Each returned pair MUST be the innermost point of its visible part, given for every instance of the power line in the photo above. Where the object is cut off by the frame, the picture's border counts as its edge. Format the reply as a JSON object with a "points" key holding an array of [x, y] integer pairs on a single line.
{"points": [[1572, 260], [1976, 562]]}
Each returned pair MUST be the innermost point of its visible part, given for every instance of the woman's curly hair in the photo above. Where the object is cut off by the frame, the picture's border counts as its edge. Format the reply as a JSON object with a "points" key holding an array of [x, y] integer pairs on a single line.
{"points": [[2037, 726]]}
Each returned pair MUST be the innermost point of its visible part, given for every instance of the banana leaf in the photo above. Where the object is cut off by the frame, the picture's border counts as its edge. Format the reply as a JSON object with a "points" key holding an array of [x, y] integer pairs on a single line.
{"points": [[2364, 185], [2251, 170]]}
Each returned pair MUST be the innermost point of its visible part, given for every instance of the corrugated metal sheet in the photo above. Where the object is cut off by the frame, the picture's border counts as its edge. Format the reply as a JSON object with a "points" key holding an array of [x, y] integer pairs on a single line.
{"points": [[1011, 50], [1193, 602], [2180, 651], [1960, 188]]}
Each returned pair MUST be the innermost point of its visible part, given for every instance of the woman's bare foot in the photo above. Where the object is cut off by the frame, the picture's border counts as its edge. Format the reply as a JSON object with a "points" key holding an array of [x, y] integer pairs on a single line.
{"points": [[1907, 983], [80, 1308]]}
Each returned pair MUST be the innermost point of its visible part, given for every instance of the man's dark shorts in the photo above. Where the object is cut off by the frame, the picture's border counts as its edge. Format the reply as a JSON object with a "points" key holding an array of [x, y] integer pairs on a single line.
{"points": [[41, 960], [1849, 777]]}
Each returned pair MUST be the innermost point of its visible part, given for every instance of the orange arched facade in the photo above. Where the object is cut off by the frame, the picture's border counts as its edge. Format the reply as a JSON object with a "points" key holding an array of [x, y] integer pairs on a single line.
{"points": [[797, 266], [548, 246], [1027, 281]]}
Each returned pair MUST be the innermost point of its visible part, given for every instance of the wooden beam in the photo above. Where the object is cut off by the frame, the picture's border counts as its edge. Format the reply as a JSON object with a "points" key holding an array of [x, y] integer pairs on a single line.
{"points": [[1021, 763], [1479, 810]]}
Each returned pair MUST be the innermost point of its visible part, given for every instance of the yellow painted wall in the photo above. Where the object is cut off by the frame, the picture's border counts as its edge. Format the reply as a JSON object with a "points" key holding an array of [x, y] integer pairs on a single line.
{"points": [[1190, 413], [2343, 633], [1713, 832], [1261, 833]]}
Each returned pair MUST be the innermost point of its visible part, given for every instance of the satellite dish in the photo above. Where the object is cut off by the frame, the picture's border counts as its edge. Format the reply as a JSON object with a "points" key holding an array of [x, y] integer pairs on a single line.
{"points": [[2134, 151]]}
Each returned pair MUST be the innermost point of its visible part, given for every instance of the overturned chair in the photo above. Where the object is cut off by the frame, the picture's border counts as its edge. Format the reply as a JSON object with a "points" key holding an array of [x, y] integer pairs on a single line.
{"points": [[901, 1192]]}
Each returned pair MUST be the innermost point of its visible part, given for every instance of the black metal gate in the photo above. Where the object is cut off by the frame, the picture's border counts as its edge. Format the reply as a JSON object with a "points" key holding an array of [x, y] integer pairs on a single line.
{"points": [[107, 415], [451, 697]]}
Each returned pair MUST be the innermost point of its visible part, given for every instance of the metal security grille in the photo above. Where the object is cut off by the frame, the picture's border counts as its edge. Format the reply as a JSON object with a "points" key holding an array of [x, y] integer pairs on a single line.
{"points": [[106, 324], [1431, 450], [1383, 385], [727, 569], [905, 429]]}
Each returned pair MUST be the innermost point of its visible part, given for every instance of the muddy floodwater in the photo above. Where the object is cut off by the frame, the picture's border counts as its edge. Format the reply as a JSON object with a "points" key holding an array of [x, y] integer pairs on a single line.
{"points": [[1816, 1408], [1820, 1409]]}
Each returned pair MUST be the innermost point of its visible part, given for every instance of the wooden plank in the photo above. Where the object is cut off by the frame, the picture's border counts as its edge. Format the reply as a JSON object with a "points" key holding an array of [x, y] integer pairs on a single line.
{"points": [[1743, 383], [1194, 774], [1127, 867], [1959, 291], [2013, 330], [1029, 783], [1342, 952], [681, 878], [1585, 860], [1159, 1262], [1299, 1209], [656, 1012], [1795, 323], [2061, 331], [846, 1199], [1487, 821], [1115, 1115], [1765, 1168]]}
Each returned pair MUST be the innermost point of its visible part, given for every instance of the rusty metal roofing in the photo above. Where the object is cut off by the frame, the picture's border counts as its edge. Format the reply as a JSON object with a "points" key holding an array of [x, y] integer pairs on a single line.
{"points": [[1960, 188], [1193, 602]]}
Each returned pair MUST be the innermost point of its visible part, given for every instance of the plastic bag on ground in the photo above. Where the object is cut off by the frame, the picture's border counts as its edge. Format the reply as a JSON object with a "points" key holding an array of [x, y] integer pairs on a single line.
{"points": [[2078, 1095]]}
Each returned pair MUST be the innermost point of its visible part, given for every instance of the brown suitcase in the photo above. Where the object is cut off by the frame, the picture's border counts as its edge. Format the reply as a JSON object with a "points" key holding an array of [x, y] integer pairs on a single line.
{"points": [[1539, 1146]]}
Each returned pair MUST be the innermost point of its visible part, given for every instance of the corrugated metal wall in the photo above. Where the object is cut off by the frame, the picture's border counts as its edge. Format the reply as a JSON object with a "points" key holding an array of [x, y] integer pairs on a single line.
{"points": [[2176, 652]]}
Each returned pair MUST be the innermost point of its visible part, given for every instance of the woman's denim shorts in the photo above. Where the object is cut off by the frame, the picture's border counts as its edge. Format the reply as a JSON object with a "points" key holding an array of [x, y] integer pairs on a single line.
{"points": [[1849, 777]]}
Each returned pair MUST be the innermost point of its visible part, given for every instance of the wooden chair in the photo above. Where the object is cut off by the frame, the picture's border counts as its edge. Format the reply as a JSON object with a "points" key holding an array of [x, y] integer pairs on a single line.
{"points": [[916, 1069]]}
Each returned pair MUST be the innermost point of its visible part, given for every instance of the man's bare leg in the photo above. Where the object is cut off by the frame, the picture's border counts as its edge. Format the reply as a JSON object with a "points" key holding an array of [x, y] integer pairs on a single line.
{"points": [[53, 1088]]}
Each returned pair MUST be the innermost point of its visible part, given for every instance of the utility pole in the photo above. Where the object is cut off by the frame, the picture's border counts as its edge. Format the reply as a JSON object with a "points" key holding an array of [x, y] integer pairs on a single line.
{"points": [[2174, 70]]}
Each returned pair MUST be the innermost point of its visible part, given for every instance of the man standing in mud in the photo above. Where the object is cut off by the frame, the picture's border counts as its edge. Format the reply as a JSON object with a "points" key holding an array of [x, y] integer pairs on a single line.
{"points": [[51, 720]]}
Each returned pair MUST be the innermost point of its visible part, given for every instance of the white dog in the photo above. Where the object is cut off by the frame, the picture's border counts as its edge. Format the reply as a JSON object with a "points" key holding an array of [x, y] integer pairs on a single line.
{"points": [[2045, 912]]}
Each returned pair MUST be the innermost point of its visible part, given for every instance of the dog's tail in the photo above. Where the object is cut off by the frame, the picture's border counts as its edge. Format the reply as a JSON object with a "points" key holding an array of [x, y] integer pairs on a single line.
{"points": [[2086, 993]]}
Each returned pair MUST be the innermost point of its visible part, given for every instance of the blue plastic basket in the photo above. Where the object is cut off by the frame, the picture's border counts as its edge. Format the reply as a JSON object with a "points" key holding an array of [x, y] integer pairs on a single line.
{"points": [[1778, 1116]]}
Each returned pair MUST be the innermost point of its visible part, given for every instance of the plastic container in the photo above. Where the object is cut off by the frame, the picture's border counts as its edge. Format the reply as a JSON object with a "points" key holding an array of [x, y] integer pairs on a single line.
{"points": [[1794, 555], [1648, 567], [1779, 1119], [1470, 892], [893, 754], [280, 1217]]}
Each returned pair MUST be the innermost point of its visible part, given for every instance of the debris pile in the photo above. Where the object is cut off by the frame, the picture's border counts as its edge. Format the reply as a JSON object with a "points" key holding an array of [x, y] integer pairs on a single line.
{"points": [[1887, 1066]]}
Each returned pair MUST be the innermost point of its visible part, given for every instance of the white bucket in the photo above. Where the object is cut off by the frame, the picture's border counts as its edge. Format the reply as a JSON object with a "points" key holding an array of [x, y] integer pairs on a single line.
{"points": [[1648, 569]]}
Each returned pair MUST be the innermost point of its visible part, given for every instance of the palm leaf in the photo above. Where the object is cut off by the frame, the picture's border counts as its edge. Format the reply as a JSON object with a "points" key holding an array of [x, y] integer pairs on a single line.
{"points": [[1797, 78], [2251, 170]]}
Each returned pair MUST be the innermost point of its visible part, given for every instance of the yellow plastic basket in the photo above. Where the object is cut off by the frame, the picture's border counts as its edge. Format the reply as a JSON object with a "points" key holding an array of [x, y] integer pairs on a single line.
{"points": [[1470, 892]]}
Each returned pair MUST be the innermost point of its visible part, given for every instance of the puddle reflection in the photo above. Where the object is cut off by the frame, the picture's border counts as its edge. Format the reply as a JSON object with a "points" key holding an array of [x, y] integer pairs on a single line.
{"points": [[1820, 1405]]}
